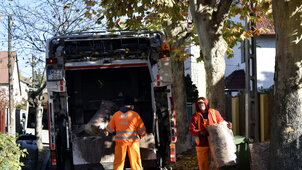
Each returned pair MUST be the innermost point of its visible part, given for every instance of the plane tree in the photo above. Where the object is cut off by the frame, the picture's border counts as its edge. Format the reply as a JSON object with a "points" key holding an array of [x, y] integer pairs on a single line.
{"points": [[285, 149], [213, 31]]}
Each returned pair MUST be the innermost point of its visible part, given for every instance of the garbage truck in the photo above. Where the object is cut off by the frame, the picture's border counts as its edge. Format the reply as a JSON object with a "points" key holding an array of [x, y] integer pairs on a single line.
{"points": [[86, 70]]}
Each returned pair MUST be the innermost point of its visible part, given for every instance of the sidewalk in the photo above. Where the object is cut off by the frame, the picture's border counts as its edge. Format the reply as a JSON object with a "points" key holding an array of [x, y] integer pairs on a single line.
{"points": [[186, 160]]}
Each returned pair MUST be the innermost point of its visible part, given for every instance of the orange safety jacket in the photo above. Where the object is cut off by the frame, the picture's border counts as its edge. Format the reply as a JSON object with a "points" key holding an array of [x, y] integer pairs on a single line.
{"points": [[128, 126], [198, 123]]}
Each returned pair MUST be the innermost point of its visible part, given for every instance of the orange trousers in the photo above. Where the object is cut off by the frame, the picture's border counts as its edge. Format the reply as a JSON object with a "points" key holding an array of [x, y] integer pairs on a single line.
{"points": [[133, 154], [203, 158]]}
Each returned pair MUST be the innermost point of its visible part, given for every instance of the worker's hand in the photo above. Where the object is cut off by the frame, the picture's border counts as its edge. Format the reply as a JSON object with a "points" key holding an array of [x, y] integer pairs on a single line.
{"points": [[102, 131], [230, 125], [204, 133]]}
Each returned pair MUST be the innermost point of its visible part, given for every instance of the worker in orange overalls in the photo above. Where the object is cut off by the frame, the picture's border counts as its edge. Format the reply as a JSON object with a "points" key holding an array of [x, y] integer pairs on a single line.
{"points": [[129, 128], [203, 116]]}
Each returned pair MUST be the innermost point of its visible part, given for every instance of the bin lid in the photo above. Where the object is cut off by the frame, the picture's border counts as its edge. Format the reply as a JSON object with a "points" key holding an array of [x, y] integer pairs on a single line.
{"points": [[239, 139]]}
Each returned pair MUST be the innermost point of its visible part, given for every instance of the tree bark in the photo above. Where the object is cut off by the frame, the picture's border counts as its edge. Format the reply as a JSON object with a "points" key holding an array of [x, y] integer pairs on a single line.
{"points": [[180, 106], [215, 69], [177, 33], [209, 23], [38, 128], [286, 131]]}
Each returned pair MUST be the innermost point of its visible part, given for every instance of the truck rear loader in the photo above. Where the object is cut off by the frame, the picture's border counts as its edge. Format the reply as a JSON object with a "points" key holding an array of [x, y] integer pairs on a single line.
{"points": [[86, 70]]}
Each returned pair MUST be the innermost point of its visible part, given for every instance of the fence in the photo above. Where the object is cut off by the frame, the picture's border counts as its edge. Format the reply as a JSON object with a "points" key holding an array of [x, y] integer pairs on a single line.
{"points": [[2, 120], [235, 112]]}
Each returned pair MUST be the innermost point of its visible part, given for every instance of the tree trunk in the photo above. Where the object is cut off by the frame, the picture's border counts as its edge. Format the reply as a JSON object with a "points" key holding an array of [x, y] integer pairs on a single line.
{"points": [[38, 128], [177, 34], [213, 48], [180, 106], [215, 69], [286, 131]]}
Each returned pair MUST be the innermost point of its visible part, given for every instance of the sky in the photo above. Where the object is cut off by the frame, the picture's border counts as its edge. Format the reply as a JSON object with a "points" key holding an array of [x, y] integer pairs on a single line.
{"points": [[24, 67], [43, 15]]}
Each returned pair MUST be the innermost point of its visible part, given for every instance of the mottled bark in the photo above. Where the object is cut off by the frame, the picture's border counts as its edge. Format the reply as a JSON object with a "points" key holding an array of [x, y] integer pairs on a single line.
{"points": [[37, 98], [209, 24], [177, 33], [215, 69], [180, 106], [286, 131], [38, 128]]}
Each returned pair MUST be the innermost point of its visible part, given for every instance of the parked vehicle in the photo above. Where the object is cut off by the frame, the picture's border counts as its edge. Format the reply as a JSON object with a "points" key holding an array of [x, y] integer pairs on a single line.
{"points": [[85, 69]]}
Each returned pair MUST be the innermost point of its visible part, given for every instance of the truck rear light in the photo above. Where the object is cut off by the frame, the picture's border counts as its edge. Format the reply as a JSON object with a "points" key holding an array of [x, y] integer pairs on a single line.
{"points": [[51, 60], [165, 54], [158, 80], [174, 139], [172, 153], [52, 146], [53, 160]]}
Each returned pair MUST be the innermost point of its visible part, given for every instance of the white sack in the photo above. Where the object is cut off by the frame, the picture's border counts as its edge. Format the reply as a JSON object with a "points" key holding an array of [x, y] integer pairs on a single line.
{"points": [[100, 119], [222, 145]]}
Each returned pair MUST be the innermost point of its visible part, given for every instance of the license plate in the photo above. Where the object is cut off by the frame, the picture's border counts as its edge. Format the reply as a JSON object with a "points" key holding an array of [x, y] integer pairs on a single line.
{"points": [[54, 74]]}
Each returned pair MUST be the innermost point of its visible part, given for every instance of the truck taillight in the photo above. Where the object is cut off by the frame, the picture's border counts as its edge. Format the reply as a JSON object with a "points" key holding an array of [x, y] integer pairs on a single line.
{"points": [[165, 54], [172, 152], [53, 160], [51, 61]]}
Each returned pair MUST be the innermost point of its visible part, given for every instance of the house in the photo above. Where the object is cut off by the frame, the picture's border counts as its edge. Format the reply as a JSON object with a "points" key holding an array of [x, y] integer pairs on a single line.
{"points": [[19, 93], [265, 59], [195, 69], [255, 104]]}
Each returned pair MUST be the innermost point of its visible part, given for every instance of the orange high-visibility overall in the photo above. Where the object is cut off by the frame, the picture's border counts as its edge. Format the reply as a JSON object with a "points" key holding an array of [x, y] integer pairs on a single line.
{"points": [[203, 151], [198, 123], [129, 128]]}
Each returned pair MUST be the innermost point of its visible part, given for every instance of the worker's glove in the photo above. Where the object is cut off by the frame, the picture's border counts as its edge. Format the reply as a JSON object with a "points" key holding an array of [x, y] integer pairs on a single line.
{"points": [[102, 131], [106, 133], [203, 133]]}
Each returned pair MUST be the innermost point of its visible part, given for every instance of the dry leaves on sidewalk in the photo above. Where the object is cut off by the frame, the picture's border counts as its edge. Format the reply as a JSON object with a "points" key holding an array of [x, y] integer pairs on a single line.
{"points": [[185, 161]]}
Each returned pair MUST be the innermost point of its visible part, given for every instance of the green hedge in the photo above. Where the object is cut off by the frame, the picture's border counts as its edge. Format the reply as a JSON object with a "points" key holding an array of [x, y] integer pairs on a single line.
{"points": [[10, 153]]}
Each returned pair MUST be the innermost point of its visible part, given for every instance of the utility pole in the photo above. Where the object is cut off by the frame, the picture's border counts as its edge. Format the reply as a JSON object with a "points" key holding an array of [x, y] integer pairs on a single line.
{"points": [[11, 108], [12, 115], [32, 71], [252, 128]]}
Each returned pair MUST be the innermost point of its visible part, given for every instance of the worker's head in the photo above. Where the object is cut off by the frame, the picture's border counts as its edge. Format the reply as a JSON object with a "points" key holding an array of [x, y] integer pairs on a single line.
{"points": [[202, 104], [128, 101]]}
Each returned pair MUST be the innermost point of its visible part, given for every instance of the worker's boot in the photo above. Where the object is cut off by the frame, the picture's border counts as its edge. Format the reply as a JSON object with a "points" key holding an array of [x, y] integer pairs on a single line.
{"points": [[203, 157]]}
